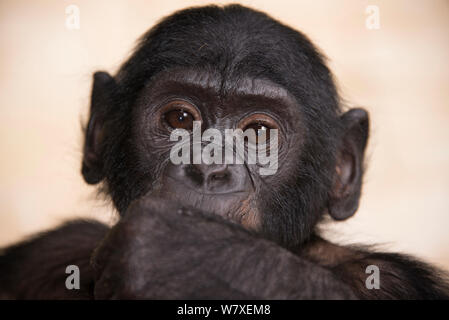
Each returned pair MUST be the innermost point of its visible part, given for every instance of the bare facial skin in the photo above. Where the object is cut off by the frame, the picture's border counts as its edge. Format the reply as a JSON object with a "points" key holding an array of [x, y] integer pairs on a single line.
{"points": [[230, 191]]}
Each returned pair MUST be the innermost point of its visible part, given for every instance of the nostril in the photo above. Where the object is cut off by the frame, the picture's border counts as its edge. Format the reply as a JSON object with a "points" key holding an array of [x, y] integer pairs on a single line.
{"points": [[218, 176], [194, 174], [208, 176]]}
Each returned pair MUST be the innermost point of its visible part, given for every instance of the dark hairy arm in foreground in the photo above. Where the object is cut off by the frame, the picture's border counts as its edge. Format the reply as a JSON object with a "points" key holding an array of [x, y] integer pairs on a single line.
{"points": [[159, 251]]}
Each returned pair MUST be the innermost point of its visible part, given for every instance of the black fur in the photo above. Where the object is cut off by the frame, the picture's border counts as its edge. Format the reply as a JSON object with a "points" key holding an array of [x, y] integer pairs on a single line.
{"points": [[35, 268]]}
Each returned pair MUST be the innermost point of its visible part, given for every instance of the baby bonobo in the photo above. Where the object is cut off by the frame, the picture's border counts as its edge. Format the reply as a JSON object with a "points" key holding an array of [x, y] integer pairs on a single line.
{"points": [[193, 225]]}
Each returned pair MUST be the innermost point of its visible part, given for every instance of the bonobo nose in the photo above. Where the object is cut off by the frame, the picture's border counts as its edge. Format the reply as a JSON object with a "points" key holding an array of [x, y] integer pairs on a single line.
{"points": [[212, 178], [208, 174]]}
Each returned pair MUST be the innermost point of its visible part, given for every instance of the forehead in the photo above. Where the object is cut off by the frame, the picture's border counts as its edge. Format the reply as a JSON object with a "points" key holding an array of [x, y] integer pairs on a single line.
{"points": [[223, 84], [224, 91]]}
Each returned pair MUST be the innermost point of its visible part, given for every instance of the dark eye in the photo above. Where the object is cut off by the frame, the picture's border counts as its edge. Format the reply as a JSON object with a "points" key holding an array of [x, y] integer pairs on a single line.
{"points": [[179, 119], [179, 114], [262, 132], [260, 124]]}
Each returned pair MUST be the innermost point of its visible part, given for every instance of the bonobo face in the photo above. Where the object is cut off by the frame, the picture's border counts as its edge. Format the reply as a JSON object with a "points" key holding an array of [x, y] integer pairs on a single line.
{"points": [[220, 69], [177, 98]]}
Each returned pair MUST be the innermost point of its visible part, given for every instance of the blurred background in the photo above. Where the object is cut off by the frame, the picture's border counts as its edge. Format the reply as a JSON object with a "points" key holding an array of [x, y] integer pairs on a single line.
{"points": [[397, 67]]}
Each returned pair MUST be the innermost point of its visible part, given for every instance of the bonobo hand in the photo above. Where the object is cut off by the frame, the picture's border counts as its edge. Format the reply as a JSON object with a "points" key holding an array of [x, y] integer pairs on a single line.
{"points": [[160, 250]]}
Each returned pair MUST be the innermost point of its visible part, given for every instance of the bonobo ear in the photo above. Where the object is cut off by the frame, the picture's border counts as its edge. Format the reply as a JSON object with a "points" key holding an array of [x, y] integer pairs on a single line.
{"points": [[101, 100], [345, 194]]}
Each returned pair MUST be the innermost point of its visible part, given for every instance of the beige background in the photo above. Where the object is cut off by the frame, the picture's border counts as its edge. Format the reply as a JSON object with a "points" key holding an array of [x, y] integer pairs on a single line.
{"points": [[400, 73]]}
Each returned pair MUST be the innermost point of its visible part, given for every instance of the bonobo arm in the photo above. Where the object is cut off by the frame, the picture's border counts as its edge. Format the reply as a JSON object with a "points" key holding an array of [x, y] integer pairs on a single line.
{"points": [[400, 276], [35, 268], [161, 251]]}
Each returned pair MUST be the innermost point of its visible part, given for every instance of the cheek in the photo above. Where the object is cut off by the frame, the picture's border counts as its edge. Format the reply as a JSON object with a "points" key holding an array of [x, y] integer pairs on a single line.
{"points": [[250, 218]]}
